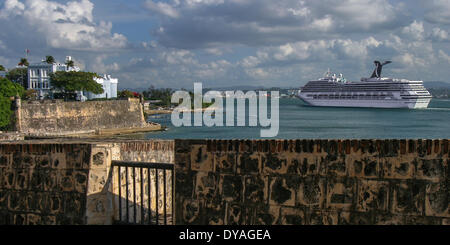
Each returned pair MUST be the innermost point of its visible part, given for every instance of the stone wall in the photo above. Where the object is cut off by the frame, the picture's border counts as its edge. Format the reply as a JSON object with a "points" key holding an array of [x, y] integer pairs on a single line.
{"points": [[44, 183], [74, 183], [156, 151], [312, 182], [54, 117]]}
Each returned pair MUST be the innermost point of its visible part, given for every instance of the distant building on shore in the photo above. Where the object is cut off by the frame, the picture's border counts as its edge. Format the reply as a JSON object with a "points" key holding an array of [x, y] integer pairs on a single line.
{"points": [[3, 73], [39, 76]]}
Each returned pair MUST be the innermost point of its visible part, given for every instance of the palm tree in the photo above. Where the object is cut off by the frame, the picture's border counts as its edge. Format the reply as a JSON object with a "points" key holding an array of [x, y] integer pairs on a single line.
{"points": [[23, 62], [70, 63], [2, 68], [49, 59]]}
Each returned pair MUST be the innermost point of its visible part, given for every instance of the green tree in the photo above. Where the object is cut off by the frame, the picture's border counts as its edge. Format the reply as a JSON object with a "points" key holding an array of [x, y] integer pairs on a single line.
{"points": [[23, 62], [8, 89], [18, 75], [49, 59], [126, 94], [2, 68], [70, 82], [70, 63]]}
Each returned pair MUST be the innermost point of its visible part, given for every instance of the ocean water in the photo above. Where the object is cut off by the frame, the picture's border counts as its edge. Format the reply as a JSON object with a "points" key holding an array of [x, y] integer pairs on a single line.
{"points": [[299, 121]]}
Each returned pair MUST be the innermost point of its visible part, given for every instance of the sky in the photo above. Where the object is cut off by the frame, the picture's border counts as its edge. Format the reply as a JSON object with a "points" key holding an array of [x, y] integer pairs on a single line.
{"points": [[223, 43]]}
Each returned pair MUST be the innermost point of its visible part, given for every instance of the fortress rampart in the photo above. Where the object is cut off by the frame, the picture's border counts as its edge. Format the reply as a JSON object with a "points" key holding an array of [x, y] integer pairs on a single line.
{"points": [[233, 181], [55, 117]]}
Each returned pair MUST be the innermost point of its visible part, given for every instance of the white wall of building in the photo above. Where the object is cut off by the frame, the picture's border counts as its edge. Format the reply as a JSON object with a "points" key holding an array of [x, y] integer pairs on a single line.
{"points": [[39, 80], [109, 88]]}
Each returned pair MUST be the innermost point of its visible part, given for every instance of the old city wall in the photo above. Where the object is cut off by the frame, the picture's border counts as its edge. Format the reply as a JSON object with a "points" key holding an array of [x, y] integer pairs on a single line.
{"points": [[69, 183], [232, 181], [312, 182], [57, 117]]}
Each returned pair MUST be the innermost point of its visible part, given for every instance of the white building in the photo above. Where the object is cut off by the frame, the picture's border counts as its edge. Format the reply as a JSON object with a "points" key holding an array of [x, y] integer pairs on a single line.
{"points": [[39, 76], [109, 88], [39, 79]]}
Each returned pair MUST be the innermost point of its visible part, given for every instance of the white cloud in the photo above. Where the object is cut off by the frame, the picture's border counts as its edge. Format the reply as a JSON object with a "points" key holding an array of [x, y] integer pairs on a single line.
{"points": [[414, 31], [437, 11], [437, 34], [161, 8], [68, 26]]}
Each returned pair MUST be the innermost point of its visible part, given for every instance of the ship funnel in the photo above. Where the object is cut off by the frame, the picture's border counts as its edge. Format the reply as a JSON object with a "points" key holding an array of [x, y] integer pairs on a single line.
{"points": [[379, 68]]}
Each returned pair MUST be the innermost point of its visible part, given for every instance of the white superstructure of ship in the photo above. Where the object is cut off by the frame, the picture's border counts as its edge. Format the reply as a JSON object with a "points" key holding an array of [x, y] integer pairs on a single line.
{"points": [[374, 92]]}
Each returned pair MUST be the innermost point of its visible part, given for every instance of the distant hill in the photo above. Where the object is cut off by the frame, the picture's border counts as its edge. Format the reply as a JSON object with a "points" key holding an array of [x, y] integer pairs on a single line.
{"points": [[436, 84]]}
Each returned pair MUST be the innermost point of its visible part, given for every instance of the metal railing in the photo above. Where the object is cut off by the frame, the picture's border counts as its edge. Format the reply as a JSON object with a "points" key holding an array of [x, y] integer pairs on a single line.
{"points": [[135, 206]]}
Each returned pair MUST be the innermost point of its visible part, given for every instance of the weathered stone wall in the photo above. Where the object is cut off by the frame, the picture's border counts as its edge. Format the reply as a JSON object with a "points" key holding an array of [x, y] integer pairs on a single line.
{"points": [[312, 182], [74, 183], [155, 151], [43, 183], [57, 117]]}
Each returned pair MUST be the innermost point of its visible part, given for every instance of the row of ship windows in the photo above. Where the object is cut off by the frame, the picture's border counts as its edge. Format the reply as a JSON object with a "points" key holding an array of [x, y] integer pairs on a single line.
{"points": [[348, 96]]}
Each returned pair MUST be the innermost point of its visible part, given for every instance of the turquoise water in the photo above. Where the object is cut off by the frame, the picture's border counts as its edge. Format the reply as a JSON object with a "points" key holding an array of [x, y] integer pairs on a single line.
{"points": [[298, 121]]}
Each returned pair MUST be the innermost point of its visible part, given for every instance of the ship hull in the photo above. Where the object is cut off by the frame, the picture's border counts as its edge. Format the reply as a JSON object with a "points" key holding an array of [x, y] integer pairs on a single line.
{"points": [[409, 104]]}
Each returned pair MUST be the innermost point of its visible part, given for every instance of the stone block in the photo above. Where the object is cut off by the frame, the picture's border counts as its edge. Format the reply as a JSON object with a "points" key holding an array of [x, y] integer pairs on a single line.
{"points": [[80, 181], [437, 200], [98, 210], [282, 191], [33, 219], [235, 214], [42, 161], [74, 205], [22, 178], [363, 167], [97, 180], [422, 220], [20, 219], [225, 162], [334, 165], [303, 164], [184, 184], [267, 215], [5, 160], [17, 201], [206, 185], [311, 192], [372, 195], [200, 159], [50, 179], [9, 178], [58, 160], [356, 218], [190, 212], [4, 196], [389, 219], [408, 197], [66, 180], [430, 169], [99, 159], [341, 193], [321, 217], [56, 203], [256, 190], [248, 163], [231, 188], [274, 163], [293, 216], [402, 167]]}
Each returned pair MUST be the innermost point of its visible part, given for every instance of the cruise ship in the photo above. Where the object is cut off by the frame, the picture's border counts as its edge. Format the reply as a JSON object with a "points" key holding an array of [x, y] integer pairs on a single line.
{"points": [[374, 92]]}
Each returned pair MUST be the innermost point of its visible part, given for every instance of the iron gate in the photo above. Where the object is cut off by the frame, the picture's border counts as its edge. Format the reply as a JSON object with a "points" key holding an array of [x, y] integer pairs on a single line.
{"points": [[140, 198]]}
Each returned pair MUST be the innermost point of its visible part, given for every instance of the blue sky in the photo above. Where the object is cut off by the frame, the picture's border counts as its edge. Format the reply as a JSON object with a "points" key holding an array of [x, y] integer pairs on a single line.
{"points": [[222, 43]]}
